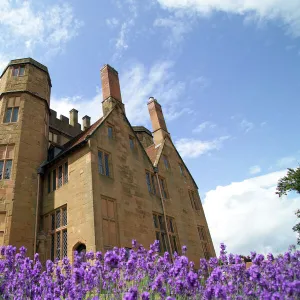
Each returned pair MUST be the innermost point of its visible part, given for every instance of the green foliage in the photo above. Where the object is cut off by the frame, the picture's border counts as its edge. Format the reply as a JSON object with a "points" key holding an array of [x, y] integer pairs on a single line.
{"points": [[288, 183]]}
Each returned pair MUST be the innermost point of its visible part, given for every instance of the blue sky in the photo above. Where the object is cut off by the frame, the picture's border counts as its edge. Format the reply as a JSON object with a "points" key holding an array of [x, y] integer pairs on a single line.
{"points": [[226, 73]]}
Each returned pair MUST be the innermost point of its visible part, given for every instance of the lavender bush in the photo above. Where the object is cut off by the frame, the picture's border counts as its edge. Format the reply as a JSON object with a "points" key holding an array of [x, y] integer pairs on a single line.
{"points": [[145, 275]]}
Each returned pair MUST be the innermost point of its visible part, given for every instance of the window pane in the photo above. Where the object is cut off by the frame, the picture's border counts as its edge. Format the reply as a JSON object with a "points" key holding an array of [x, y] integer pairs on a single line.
{"points": [[154, 184], [15, 71], [52, 247], [15, 114], [21, 71], [64, 217], [155, 221], [52, 222], [1, 169], [7, 173], [57, 219], [161, 223], [54, 138], [58, 245], [148, 182], [166, 162], [100, 163], [175, 248], [65, 243], [163, 188], [54, 180], [131, 143], [49, 182], [164, 242], [66, 173], [60, 176], [110, 132], [171, 227], [8, 115], [106, 160]]}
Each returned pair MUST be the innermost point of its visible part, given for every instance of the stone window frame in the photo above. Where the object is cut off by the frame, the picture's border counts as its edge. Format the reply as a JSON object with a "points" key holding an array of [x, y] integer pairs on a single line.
{"points": [[166, 162], [108, 126], [202, 232], [110, 220], [105, 167], [15, 73], [161, 233], [54, 184], [58, 232], [151, 183], [181, 169], [194, 199], [7, 156], [13, 105], [132, 144]]}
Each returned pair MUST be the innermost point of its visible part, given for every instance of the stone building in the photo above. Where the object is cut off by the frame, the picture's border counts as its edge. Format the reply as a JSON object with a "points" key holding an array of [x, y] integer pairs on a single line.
{"points": [[66, 188]]}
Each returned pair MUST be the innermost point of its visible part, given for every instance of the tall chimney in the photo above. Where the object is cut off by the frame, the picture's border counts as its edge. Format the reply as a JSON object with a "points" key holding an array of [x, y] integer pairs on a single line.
{"points": [[158, 121], [73, 117], [86, 122], [110, 89]]}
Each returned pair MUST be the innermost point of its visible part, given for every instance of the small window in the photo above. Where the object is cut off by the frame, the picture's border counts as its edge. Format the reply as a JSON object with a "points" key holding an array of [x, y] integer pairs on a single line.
{"points": [[181, 169], [66, 173], [12, 110], [194, 200], [18, 71], [110, 132], [6, 155], [104, 163], [166, 162], [131, 142]]}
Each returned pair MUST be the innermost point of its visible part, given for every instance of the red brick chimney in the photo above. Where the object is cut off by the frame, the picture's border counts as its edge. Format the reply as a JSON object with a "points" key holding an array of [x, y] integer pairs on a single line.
{"points": [[111, 91], [158, 121]]}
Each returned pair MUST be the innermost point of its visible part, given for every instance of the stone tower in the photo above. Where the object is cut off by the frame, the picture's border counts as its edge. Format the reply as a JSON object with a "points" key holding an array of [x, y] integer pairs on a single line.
{"points": [[25, 87]]}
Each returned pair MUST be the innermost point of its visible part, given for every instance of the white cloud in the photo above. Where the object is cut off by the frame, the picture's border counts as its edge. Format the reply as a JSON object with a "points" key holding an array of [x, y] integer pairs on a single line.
{"points": [[91, 107], [192, 148], [255, 169], [204, 125], [288, 12], [249, 216], [138, 83], [113, 22], [49, 27], [25, 27], [287, 162], [246, 126], [177, 27]]}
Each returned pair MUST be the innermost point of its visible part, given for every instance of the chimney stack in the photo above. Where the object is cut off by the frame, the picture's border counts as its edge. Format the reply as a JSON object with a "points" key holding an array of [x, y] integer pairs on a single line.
{"points": [[86, 122], [110, 89], [73, 117], [158, 121]]}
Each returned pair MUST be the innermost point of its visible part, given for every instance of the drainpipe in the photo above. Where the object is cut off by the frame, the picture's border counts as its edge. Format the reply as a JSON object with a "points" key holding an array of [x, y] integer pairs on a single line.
{"points": [[37, 210], [163, 209]]}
